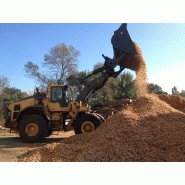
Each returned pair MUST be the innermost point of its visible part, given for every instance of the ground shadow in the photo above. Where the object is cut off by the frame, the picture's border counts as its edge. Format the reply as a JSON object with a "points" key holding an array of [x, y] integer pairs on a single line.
{"points": [[17, 142]]}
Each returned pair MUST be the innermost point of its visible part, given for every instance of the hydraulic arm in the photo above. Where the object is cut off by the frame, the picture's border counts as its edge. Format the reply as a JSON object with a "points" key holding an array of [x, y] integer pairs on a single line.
{"points": [[122, 46], [97, 83]]}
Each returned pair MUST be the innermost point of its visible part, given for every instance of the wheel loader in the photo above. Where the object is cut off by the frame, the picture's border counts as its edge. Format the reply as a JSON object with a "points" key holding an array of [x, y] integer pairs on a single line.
{"points": [[38, 116]]}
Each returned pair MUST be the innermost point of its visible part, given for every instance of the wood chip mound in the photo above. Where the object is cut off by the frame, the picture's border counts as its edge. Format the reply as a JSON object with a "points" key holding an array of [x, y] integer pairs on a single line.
{"points": [[176, 102], [152, 128], [148, 130]]}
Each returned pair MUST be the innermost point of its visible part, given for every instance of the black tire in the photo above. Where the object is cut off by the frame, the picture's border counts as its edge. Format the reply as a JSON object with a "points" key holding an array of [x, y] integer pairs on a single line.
{"points": [[33, 128], [87, 119]]}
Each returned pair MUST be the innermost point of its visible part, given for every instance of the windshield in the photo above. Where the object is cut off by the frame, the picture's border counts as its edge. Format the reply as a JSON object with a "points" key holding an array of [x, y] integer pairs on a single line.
{"points": [[56, 94]]}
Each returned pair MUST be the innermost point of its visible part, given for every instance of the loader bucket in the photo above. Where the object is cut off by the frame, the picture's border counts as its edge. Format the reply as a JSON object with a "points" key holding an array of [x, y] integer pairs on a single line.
{"points": [[122, 43]]}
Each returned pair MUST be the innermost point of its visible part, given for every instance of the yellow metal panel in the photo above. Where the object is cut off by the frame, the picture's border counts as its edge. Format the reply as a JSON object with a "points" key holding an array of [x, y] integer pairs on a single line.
{"points": [[23, 104], [56, 116], [55, 106]]}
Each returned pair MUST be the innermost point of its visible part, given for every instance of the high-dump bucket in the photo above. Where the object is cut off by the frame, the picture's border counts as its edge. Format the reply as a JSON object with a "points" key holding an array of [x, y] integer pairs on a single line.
{"points": [[133, 59], [122, 43]]}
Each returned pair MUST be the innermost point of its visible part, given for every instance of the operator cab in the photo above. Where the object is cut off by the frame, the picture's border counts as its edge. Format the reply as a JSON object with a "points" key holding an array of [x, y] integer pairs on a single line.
{"points": [[58, 93]]}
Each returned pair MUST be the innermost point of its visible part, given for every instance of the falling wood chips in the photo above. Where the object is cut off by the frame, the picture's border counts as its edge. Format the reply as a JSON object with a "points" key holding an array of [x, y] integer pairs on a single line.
{"points": [[152, 128]]}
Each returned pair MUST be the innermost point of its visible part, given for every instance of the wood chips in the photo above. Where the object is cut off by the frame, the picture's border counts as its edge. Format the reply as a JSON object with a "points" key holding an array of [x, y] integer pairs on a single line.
{"points": [[135, 61], [152, 128], [147, 130]]}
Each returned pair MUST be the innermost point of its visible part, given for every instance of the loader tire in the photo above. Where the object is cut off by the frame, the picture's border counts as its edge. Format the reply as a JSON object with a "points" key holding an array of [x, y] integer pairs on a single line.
{"points": [[33, 128], [86, 123]]}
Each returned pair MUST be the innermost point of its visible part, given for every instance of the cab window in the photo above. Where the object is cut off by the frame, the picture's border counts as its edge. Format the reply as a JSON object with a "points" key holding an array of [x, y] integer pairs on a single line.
{"points": [[56, 94]]}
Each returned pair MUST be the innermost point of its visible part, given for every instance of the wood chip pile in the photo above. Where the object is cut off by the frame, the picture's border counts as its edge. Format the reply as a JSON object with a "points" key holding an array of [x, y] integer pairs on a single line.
{"points": [[2, 129], [149, 129], [175, 101], [112, 107], [117, 103]]}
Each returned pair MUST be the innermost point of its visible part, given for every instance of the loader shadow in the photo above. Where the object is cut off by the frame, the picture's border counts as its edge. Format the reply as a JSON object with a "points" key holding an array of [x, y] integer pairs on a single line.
{"points": [[17, 142]]}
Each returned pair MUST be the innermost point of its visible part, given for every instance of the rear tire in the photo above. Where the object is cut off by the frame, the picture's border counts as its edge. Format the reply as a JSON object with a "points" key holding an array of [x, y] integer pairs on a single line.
{"points": [[33, 128], [86, 123]]}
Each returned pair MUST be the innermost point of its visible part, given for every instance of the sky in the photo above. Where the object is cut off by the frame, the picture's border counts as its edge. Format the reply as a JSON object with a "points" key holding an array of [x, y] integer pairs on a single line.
{"points": [[162, 45]]}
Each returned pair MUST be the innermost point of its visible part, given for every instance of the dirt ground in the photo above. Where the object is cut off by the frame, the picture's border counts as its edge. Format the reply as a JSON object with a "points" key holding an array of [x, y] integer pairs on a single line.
{"points": [[11, 146]]}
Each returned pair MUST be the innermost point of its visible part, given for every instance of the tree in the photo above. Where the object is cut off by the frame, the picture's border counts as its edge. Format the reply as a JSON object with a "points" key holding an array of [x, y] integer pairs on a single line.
{"points": [[10, 95], [156, 89], [182, 93], [98, 65], [174, 91], [126, 87], [60, 63], [75, 87], [4, 82]]}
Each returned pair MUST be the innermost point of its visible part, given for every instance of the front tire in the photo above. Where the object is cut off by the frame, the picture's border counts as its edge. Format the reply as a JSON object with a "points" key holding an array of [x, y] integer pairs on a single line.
{"points": [[33, 128], [86, 123]]}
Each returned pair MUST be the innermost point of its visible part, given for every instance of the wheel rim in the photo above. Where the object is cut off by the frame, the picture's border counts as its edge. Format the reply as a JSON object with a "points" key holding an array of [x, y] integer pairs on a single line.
{"points": [[32, 129], [87, 127]]}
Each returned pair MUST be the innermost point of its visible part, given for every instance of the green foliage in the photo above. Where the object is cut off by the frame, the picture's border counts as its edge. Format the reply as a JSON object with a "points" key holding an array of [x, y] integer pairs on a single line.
{"points": [[182, 93], [10, 95], [13, 94], [156, 89], [126, 87], [98, 65], [175, 91], [74, 83], [4, 82]]}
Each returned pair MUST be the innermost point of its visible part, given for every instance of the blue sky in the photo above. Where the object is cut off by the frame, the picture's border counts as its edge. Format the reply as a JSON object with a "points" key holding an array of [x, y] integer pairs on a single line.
{"points": [[163, 47]]}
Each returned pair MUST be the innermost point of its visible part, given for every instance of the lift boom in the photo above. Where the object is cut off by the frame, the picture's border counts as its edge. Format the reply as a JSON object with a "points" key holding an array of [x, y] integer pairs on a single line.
{"points": [[122, 46]]}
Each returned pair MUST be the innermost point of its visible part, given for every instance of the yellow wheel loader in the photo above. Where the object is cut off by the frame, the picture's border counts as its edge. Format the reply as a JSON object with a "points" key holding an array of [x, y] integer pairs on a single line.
{"points": [[38, 116]]}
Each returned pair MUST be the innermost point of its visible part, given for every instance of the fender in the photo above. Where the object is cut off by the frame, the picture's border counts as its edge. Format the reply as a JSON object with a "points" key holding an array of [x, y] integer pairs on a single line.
{"points": [[35, 109]]}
